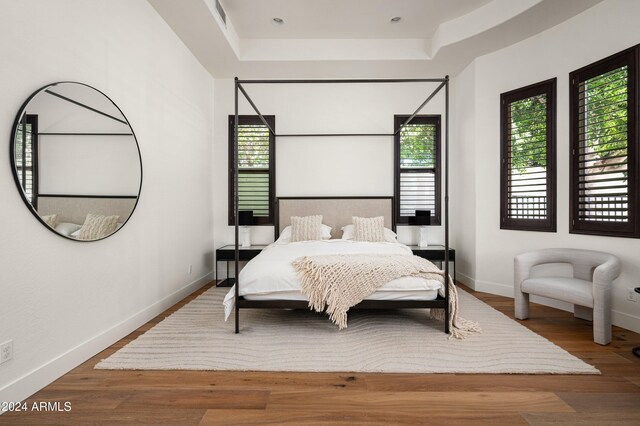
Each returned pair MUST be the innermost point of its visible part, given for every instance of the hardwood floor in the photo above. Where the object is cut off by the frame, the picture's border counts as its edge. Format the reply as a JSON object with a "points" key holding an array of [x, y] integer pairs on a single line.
{"points": [[205, 397]]}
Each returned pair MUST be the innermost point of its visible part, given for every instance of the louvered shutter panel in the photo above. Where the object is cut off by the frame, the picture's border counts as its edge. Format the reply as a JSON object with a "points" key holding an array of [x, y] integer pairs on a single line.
{"points": [[603, 187], [527, 158]]}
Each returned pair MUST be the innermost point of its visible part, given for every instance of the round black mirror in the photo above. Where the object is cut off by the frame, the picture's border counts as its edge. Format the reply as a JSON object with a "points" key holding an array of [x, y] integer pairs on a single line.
{"points": [[76, 161]]}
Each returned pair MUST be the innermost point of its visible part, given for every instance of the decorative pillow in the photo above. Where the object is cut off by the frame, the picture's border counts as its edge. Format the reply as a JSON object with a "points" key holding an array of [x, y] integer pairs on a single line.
{"points": [[97, 226], [50, 220], [368, 228], [349, 230], [306, 228], [66, 228], [285, 235]]}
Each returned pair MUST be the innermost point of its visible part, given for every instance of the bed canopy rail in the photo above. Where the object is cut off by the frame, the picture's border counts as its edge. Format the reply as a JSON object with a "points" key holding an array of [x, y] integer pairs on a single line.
{"points": [[444, 83]]}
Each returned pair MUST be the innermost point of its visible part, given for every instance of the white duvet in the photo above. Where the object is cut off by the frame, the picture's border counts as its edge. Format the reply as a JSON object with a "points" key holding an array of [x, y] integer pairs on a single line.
{"points": [[271, 272]]}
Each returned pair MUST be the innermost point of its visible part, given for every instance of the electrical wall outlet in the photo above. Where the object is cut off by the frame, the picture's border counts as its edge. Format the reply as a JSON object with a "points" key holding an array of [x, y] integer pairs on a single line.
{"points": [[190, 269], [632, 296], [6, 351]]}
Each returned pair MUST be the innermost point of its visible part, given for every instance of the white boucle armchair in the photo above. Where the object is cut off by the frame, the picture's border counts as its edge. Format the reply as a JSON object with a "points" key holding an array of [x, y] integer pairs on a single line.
{"points": [[589, 290]]}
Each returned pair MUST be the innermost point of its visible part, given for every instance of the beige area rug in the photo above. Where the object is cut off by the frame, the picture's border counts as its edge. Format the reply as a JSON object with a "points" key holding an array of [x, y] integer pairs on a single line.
{"points": [[395, 341]]}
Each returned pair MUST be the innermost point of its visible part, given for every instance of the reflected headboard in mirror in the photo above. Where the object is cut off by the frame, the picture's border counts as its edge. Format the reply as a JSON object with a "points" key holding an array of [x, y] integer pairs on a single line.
{"points": [[74, 153], [336, 211]]}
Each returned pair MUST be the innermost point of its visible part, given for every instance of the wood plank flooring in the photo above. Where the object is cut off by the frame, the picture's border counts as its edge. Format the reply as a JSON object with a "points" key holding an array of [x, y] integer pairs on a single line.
{"points": [[212, 398]]}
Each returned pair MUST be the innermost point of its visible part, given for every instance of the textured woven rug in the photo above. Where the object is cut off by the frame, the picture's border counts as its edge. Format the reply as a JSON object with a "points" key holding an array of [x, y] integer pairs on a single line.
{"points": [[394, 341]]}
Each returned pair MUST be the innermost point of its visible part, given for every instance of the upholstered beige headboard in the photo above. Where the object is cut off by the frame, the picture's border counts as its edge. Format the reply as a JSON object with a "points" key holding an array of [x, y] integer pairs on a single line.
{"points": [[336, 211]]}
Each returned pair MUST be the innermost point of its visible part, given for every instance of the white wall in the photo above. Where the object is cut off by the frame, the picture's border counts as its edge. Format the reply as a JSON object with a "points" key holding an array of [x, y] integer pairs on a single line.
{"points": [[81, 164], [463, 170], [605, 29], [89, 165], [322, 166], [62, 301]]}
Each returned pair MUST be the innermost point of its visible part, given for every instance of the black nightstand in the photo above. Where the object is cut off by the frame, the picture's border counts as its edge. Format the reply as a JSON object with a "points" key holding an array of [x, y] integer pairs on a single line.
{"points": [[436, 253], [228, 254]]}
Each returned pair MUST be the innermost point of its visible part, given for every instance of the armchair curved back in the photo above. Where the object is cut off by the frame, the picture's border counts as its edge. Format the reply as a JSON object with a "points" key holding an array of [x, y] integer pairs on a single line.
{"points": [[588, 265]]}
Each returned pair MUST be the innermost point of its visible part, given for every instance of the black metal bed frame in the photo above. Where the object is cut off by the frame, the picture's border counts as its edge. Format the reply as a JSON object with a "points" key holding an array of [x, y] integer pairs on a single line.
{"points": [[440, 302]]}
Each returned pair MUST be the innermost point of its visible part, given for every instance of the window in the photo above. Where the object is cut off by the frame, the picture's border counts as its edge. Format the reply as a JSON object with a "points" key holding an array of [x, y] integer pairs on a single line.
{"points": [[26, 158], [256, 173], [417, 167], [528, 152], [604, 147]]}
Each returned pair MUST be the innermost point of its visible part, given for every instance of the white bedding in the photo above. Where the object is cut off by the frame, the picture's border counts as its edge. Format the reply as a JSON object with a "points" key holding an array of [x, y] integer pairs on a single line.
{"points": [[270, 275]]}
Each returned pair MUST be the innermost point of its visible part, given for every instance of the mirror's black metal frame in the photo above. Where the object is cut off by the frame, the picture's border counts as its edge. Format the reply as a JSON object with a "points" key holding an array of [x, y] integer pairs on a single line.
{"points": [[14, 169]]}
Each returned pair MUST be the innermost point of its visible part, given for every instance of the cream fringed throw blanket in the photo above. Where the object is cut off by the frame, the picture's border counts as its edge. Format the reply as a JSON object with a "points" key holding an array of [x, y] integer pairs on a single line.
{"points": [[338, 282]]}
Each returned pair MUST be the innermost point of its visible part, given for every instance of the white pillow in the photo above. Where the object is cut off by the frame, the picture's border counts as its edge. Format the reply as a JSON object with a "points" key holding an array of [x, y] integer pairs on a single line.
{"points": [[285, 235], [67, 228], [349, 230]]}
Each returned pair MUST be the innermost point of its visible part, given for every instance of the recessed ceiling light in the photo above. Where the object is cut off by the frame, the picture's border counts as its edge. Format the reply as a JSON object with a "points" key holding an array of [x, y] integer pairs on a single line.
{"points": [[395, 19], [278, 21]]}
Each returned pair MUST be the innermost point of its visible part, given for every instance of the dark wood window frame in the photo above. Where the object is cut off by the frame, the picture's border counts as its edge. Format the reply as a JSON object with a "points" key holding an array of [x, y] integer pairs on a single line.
{"points": [[419, 119], [254, 119], [548, 88], [631, 58]]}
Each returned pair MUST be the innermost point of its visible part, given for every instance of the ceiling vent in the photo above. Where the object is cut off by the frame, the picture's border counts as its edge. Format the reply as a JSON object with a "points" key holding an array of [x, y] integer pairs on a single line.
{"points": [[221, 12]]}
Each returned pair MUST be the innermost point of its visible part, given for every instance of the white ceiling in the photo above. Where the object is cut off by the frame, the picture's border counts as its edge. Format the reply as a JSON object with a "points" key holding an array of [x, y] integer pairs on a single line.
{"points": [[353, 38], [350, 19]]}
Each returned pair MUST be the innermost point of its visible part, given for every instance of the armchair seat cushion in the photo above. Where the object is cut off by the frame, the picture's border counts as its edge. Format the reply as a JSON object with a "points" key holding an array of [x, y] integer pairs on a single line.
{"points": [[572, 290]]}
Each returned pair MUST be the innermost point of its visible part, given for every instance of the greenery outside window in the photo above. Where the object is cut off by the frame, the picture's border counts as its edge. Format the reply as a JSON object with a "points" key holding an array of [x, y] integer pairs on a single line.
{"points": [[528, 151], [604, 147]]}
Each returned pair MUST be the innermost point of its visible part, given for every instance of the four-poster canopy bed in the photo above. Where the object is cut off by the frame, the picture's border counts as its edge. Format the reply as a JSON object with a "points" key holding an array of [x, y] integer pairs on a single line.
{"points": [[348, 206]]}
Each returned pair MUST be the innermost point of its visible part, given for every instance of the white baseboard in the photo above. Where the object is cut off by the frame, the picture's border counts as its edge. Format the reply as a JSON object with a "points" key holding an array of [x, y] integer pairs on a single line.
{"points": [[466, 280], [626, 321], [619, 319], [494, 288], [27, 385]]}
